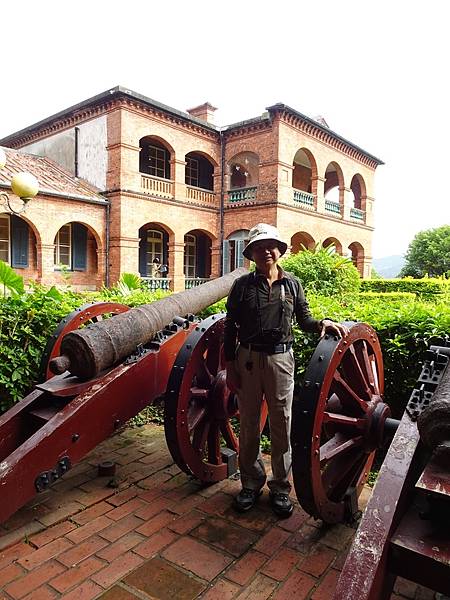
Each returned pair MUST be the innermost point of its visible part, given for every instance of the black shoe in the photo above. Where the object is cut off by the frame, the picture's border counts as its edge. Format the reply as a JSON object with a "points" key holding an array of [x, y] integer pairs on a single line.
{"points": [[281, 504], [246, 499]]}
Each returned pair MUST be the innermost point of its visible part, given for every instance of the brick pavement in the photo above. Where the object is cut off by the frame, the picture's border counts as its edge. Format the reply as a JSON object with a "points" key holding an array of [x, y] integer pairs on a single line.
{"points": [[154, 533]]}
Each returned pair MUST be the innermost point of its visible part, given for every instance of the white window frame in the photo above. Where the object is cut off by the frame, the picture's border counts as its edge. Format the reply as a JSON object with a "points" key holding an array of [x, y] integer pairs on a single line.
{"points": [[190, 255], [154, 249], [8, 239], [58, 245]]}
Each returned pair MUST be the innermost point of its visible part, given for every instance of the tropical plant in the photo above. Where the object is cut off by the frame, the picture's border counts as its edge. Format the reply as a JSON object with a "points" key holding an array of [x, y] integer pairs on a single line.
{"points": [[11, 282], [428, 254]]}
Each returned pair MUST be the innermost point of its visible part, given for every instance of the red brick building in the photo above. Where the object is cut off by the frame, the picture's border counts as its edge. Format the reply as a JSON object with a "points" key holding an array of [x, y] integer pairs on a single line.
{"points": [[184, 191]]}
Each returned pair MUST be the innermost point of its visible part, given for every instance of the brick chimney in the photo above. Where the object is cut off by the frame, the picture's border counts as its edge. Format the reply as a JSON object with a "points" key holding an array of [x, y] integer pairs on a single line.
{"points": [[205, 112]]}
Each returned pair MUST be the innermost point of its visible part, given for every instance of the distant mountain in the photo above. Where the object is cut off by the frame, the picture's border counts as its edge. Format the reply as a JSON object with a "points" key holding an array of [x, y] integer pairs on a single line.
{"points": [[388, 266]]}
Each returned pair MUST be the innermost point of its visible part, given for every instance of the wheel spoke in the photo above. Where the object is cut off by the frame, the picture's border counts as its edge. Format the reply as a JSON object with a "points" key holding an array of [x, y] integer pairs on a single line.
{"points": [[195, 416], [200, 436], [197, 392], [367, 363], [338, 470], [338, 446], [229, 435], [343, 420], [354, 373], [213, 357], [348, 396]]}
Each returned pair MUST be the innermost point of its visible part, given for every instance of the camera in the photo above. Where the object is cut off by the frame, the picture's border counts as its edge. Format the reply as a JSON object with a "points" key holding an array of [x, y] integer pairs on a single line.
{"points": [[273, 335]]}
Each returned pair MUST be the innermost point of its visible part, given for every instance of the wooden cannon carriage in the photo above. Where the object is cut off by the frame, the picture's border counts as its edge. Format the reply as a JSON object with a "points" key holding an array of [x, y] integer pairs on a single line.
{"points": [[111, 369]]}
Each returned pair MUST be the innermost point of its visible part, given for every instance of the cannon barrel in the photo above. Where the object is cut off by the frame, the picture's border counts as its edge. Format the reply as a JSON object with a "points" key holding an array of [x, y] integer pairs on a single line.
{"points": [[99, 346]]}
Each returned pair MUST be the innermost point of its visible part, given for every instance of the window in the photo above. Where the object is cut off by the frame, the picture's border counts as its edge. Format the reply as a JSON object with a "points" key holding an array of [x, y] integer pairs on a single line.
{"points": [[14, 241], [154, 250], [190, 247], [192, 172], [154, 158], [71, 247], [4, 238], [232, 251]]}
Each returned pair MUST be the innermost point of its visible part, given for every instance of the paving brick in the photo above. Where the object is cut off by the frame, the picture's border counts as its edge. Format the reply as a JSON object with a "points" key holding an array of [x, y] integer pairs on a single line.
{"points": [[148, 510], [162, 580], [81, 551], [327, 587], [221, 590], [295, 521], [33, 580], [26, 514], [117, 569], [160, 520], [272, 540], [245, 568], [296, 587], [76, 575], [154, 480], [9, 573], [282, 564], [187, 504], [126, 542], [26, 531], [52, 533], [257, 519], [118, 592], [61, 513], [216, 505], [317, 561], [121, 497], [120, 528], [305, 539], [13, 553], [42, 593], [125, 509], [155, 543], [92, 513], [340, 559], [337, 536], [187, 522], [85, 531], [86, 591], [44, 553], [196, 557], [225, 535], [260, 588], [405, 588]]}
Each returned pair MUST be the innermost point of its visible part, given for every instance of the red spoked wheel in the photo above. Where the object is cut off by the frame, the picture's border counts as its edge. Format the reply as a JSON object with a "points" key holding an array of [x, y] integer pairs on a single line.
{"points": [[338, 423], [88, 313], [198, 407]]}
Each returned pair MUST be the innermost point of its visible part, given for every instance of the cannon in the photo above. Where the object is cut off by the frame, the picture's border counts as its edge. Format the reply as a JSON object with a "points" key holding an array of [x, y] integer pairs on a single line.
{"points": [[109, 370]]}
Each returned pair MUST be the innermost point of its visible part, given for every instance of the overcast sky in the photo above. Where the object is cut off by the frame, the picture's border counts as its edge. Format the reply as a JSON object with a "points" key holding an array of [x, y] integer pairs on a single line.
{"points": [[377, 71]]}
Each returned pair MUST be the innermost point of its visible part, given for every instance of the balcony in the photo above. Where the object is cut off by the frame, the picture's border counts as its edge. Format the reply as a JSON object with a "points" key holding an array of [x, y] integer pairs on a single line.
{"points": [[156, 283], [356, 213], [304, 199], [200, 196], [333, 207], [155, 186], [242, 194], [191, 282]]}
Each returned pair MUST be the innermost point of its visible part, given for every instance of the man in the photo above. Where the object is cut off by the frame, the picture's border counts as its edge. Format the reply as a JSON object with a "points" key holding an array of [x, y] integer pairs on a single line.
{"points": [[260, 362]]}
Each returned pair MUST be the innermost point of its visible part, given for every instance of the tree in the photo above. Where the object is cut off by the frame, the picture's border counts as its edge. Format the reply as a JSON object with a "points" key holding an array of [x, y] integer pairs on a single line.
{"points": [[428, 254]]}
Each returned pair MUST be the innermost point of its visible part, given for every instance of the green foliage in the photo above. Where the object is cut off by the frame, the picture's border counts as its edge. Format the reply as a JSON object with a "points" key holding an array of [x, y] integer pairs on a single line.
{"points": [[426, 288], [388, 296], [128, 283], [428, 254], [10, 281], [322, 271]]}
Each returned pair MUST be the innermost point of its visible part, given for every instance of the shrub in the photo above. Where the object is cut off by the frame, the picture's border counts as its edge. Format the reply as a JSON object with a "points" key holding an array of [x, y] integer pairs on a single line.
{"points": [[388, 296], [425, 288], [322, 271]]}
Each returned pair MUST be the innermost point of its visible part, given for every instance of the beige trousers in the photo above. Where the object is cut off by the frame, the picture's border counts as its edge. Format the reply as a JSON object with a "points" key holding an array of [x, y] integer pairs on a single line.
{"points": [[270, 376]]}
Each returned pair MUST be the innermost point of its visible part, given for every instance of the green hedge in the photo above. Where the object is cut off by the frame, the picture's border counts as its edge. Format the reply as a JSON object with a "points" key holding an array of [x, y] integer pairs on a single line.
{"points": [[424, 288], [405, 327], [388, 296]]}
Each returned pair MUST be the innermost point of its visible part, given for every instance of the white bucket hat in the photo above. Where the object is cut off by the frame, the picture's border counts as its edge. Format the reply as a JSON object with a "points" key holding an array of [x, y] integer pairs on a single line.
{"points": [[263, 231]]}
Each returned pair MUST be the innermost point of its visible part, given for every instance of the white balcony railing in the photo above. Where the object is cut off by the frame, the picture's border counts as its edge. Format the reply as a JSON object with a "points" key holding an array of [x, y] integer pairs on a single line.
{"points": [[155, 186], [242, 194], [304, 199], [156, 283], [356, 213], [200, 195], [191, 282], [333, 207]]}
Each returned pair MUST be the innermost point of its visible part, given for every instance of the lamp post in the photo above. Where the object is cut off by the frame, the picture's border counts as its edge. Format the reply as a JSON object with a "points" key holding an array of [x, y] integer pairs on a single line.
{"points": [[24, 185]]}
